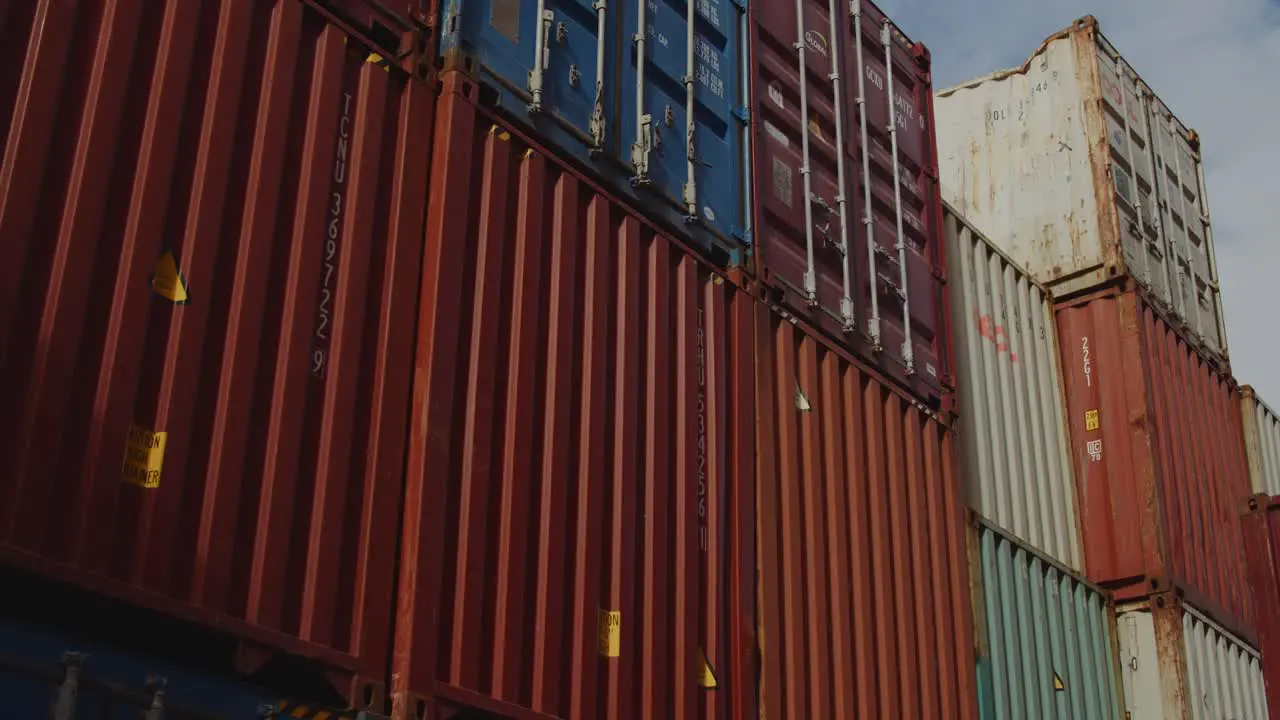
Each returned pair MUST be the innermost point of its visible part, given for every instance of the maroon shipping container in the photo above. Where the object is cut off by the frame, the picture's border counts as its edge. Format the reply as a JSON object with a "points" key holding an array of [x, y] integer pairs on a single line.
{"points": [[1158, 447], [865, 607], [211, 219], [1261, 525], [577, 537], [848, 225]]}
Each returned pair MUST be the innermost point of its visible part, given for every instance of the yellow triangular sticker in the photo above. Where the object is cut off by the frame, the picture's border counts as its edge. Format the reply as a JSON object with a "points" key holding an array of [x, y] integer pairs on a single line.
{"points": [[167, 280], [706, 674], [1057, 683]]}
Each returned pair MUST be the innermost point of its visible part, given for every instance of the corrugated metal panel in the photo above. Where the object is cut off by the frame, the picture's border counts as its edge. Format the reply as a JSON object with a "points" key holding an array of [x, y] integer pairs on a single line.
{"points": [[1017, 469], [248, 152], [1176, 663], [1156, 439], [1126, 197], [583, 399], [567, 70], [1262, 442], [848, 214], [1262, 545], [864, 584], [1047, 635]]}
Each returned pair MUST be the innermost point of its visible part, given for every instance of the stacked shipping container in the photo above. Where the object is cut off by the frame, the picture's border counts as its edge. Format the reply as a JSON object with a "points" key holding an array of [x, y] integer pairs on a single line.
{"points": [[1261, 528], [1086, 179], [1012, 426], [578, 538], [847, 207], [1176, 663], [1262, 442], [1156, 440], [1262, 544], [1086, 176], [211, 218], [642, 460], [667, 133], [1046, 641], [864, 596]]}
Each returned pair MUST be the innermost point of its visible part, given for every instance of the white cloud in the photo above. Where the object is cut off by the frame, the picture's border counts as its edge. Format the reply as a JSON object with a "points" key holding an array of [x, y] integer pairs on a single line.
{"points": [[1217, 66]]}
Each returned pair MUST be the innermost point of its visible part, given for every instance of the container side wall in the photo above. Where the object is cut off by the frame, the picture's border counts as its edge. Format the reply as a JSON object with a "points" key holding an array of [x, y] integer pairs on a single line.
{"points": [[571, 77], [1002, 166], [1224, 675], [1012, 430], [1262, 545], [1157, 445], [1156, 177], [848, 235], [1202, 470], [1048, 635], [861, 542], [1262, 442], [577, 460], [230, 223]]}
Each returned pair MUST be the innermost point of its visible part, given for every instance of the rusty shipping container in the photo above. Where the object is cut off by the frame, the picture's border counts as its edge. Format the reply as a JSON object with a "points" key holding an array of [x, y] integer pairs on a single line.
{"points": [[1261, 525], [1046, 637], [577, 534], [848, 227], [864, 598], [211, 218], [1177, 664], [1159, 457], [1076, 166], [1012, 427], [1262, 442]]}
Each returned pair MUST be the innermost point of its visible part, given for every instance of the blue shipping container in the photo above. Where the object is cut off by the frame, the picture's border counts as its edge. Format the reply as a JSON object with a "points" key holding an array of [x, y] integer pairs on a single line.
{"points": [[626, 122], [46, 674]]}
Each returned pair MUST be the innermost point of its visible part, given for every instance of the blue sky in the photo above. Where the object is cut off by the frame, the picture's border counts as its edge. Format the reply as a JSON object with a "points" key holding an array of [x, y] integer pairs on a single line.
{"points": [[1217, 66]]}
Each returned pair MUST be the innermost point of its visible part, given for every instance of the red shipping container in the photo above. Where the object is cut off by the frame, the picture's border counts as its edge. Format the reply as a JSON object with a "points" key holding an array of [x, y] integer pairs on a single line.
{"points": [[848, 211], [1261, 526], [865, 607], [1157, 442], [577, 537], [211, 221]]}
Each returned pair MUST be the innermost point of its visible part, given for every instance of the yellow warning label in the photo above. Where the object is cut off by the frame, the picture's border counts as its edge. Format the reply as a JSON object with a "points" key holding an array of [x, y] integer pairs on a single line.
{"points": [[143, 457], [167, 280], [1057, 683], [1090, 420], [706, 674], [609, 629]]}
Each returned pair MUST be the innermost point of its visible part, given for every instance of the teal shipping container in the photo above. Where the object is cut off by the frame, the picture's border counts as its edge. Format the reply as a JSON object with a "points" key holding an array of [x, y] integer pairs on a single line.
{"points": [[1045, 637]]}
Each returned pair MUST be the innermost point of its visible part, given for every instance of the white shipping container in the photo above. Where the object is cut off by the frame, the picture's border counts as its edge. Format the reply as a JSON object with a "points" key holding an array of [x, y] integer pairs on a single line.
{"points": [[1083, 176], [1008, 375], [1176, 663], [1261, 442]]}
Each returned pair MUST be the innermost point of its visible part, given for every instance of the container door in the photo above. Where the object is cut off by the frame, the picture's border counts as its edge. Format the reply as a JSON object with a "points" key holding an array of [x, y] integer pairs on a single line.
{"points": [[896, 194], [806, 219], [546, 55], [681, 124], [1185, 220], [1132, 173]]}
